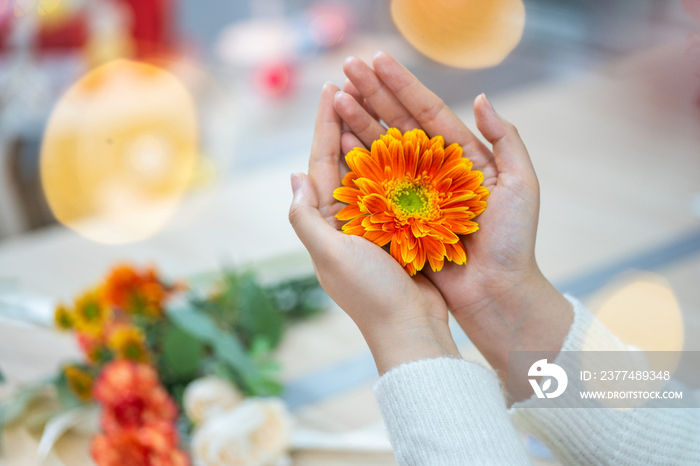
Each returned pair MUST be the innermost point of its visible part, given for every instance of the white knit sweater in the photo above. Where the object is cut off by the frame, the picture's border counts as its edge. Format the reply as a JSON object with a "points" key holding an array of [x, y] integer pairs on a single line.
{"points": [[453, 412]]}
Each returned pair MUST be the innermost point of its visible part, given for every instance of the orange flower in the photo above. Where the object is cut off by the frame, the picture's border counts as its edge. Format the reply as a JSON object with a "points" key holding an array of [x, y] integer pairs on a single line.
{"points": [[154, 444], [131, 396], [137, 293], [414, 193]]}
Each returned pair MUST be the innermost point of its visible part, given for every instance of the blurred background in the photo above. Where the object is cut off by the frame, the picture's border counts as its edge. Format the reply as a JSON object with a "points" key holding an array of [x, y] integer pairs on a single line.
{"points": [[254, 67], [164, 131]]}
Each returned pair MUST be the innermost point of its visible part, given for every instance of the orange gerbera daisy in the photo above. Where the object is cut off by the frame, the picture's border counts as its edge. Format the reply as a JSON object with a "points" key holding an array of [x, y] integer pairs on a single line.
{"points": [[415, 193], [136, 292]]}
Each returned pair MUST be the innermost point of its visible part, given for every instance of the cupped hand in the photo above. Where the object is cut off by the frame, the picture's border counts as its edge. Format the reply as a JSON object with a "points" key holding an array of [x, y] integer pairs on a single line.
{"points": [[402, 318], [500, 298]]}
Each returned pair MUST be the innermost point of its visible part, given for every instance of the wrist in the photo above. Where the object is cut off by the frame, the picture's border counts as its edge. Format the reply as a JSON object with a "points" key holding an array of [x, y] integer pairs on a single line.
{"points": [[392, 347], [530, 315]]}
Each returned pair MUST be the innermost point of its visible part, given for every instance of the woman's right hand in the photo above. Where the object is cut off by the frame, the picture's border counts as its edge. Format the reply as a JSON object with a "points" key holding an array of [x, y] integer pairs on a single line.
{"points": [[402, 318]]}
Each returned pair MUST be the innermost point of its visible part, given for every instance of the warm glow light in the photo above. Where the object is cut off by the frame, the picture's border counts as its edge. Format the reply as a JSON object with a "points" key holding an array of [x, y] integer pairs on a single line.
{"points": [[643, 312], [461, 33], [119, 152], [43, 7]]}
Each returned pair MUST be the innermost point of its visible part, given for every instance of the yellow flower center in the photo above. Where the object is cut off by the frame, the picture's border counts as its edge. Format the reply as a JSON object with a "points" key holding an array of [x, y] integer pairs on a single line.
{"points": [[91, 311], [412, 200]]}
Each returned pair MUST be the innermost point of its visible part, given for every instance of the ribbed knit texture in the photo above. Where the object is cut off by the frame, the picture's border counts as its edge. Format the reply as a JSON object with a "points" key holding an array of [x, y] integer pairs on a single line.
{"points": [[447, 412], [605, 436]]}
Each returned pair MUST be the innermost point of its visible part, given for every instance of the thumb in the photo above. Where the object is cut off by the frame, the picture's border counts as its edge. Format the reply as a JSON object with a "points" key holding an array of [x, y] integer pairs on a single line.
{"points": [[312, 229], [509, 150]]}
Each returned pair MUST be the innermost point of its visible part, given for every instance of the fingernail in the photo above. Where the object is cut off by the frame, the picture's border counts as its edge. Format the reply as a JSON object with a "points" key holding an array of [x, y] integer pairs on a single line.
{"points": [[338, 94], [296, 182], [377, 53], [327, 83], [488, 102], [348, 59]]}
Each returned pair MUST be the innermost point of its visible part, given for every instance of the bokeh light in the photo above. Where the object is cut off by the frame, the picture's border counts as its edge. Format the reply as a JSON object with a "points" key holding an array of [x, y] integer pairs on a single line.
{"points": [[119, 152], [43, 7], [463, 33], [643, 312]]}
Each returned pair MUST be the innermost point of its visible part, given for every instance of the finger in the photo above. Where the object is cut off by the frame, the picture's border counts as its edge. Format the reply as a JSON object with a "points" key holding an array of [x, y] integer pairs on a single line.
{"points": [[366, 128], [382, 100], [348, 141], [350, 88], [431, 113], [312, 229], [508, 148], [324, 163]]}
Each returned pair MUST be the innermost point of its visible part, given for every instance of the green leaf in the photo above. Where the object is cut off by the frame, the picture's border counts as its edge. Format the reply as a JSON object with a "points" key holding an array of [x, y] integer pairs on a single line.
{"points": [[195, 323], [226, 346], [229, 349], [258, 315], [182, 352]]}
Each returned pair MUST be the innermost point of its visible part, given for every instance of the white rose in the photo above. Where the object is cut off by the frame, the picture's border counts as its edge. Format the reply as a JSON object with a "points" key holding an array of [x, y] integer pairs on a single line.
{"points": [[209, 396], [257, 433]]}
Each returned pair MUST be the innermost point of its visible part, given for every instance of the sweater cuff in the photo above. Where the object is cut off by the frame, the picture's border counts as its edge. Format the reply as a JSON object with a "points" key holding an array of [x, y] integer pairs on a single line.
{"points": [[587, 333], [447, 411]]}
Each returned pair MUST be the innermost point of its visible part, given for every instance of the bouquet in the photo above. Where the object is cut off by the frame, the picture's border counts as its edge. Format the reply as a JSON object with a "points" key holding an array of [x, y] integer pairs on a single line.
{"points": [[154, 349]]}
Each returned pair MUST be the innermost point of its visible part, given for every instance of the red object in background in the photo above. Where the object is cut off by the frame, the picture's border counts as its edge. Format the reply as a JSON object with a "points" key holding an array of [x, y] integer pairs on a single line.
{"points": [[151, 29], [152, 26], [274, 79]]}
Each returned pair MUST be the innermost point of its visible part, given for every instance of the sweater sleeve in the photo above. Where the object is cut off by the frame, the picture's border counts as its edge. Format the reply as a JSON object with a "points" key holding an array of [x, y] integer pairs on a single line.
{"points": [[607, 436], [445, 412]]}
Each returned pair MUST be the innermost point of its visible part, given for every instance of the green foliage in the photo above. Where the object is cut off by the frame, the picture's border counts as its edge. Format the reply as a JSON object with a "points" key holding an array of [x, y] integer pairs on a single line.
{"points": [[299, 298], [238, 325], [182, 352], [2, 378], [225, 346]]}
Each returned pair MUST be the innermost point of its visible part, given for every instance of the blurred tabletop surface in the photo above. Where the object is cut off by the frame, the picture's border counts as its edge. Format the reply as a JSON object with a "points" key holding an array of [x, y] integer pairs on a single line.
{"points": [[618, 158]]}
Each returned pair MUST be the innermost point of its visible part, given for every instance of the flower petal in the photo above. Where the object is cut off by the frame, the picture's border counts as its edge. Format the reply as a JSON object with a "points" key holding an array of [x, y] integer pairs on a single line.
{"points": [[347, 195], [380, 238], [443, 233], [374, 203], [349, 179], [354, 227], [363, 164], [456, 253], [348, 212], [368, 186]]}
